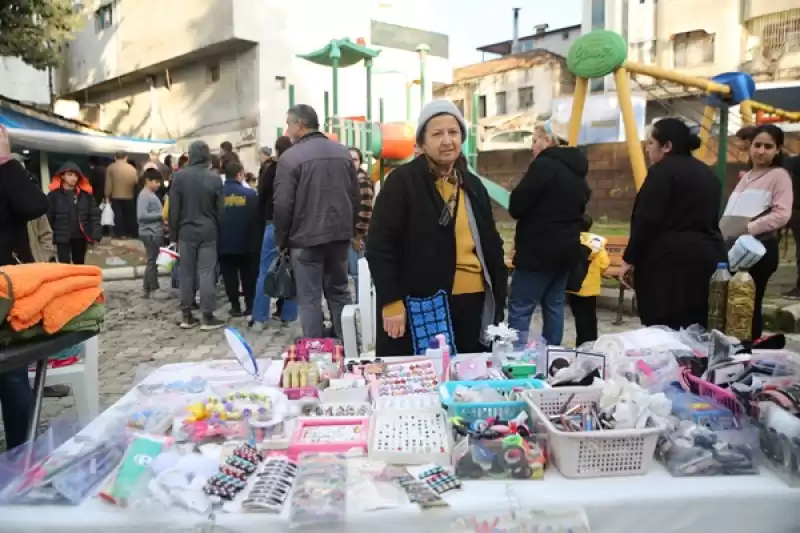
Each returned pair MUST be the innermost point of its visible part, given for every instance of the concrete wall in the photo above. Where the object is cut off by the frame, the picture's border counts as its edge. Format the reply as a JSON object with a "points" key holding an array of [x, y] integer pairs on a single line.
{"points": [[23, 82]]}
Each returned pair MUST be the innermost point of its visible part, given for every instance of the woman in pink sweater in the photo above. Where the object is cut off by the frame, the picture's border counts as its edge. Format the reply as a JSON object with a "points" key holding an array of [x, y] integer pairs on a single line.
{"points": [[760, 205]]}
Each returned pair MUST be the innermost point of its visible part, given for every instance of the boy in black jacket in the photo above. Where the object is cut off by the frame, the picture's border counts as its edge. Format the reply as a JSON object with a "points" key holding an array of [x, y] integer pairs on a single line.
{"points": [[74, 215]]}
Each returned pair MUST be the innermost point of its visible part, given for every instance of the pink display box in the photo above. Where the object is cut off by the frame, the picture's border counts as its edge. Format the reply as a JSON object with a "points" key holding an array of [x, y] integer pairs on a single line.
{"points": [[297, 393], [299, 444]]}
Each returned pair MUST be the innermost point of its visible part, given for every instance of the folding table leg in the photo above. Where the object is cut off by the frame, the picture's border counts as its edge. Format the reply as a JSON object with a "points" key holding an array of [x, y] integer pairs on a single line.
{"points": [[38, 397]]}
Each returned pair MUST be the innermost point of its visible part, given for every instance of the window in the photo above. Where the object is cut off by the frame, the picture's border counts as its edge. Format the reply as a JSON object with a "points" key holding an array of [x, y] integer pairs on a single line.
{"points": [[644, 52], [624, 31], [500, 103], [525, 97], [213, 73], [692, 48], [482, 107], [103, 17], [598, 14], [565, 36], [460, 105]]}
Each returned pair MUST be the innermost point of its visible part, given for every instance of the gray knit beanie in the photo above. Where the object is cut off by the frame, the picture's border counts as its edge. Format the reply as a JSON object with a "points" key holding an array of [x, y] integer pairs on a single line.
{"points": [[435, 108]]}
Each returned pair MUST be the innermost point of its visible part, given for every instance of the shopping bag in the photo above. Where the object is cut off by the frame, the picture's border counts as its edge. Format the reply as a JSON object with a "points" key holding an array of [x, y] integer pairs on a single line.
{"points": [[428, 317], [279, 282], [106, 215], [167, 257]]}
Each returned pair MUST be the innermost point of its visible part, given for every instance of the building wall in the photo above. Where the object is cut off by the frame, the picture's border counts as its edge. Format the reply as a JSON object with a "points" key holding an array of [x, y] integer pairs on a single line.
{"points": [[22, 82], [544, 78], [555, 42], [262, 74]]}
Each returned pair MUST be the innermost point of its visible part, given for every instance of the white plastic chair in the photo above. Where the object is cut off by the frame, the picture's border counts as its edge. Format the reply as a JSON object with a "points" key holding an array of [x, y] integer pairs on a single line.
{"points": [[360, 316], [82, 379]]}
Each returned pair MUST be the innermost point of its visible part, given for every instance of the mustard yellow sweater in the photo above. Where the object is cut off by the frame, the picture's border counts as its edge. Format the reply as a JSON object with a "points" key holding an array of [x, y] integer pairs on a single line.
{"points": [[469, 274]]}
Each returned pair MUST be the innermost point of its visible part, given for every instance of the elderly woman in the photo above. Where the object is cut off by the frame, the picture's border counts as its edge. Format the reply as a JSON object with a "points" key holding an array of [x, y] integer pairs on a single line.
{"points": [[434, 253]]}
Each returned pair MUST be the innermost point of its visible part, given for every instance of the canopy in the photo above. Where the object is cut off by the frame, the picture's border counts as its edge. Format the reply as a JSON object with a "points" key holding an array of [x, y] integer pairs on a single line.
{"points": [[81, 143], [348, 52]]}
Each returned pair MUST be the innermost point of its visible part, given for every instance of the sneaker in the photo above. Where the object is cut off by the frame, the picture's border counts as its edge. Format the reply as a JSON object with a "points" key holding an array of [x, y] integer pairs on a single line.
{"points": [[793, 294], [189, 321], [235, 313], [210, 322]]}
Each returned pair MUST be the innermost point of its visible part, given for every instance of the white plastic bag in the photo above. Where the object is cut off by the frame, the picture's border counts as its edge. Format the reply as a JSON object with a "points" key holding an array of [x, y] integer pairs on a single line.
{"points": [[106, 215]]}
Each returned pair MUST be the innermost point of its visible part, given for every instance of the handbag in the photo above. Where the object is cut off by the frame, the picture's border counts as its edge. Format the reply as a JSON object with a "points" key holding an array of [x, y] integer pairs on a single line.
{"points": [[428, 317], [106, 215], [279, 282]]}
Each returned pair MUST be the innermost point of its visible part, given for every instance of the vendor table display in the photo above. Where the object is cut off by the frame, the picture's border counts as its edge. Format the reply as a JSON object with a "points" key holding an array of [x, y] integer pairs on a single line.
{"points": [[223, 433]]}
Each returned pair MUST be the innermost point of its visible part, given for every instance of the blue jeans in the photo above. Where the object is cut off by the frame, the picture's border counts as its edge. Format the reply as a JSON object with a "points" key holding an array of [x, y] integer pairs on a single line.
{"points": [[261, 302], [16, 399], [529, 289], [352, 265]]}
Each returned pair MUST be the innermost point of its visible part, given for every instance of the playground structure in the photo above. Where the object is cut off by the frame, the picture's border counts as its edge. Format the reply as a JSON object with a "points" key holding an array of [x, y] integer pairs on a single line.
{"points": [[600, 53]]}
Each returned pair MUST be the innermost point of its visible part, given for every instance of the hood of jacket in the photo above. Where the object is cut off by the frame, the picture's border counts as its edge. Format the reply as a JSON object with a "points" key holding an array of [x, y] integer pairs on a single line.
{"points": [[199, 153], [570, 156], [82, 184]]}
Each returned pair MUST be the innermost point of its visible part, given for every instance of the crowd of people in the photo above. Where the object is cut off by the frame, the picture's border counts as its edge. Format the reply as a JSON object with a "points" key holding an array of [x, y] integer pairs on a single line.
{"points": [[433, 249]]}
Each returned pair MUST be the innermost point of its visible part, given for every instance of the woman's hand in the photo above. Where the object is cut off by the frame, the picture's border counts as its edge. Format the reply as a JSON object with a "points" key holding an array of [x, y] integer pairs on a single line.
{"points": [[625, 273], [395, 326]]}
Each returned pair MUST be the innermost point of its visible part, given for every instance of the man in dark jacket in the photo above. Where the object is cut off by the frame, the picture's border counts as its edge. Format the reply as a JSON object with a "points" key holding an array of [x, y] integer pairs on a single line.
{"points": [[548, 204], [20, 202], [97, 178], [195, 213], [237, 245], [316, 194]]}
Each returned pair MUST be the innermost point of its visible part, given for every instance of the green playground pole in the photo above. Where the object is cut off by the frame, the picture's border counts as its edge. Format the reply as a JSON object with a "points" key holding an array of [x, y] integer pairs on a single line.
{"points": [[423, 53], [367, 149], [280, 132], [291, 95], [381, 164], [336, 55], [408, 101], [327, 110], [472, 157], [722, 148]]}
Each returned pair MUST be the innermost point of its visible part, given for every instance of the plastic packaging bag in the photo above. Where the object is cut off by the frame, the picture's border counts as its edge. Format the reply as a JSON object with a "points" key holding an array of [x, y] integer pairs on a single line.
{"points": [[745, 252], [106, 215], [279, 282], [319, 496], [695, 450]]}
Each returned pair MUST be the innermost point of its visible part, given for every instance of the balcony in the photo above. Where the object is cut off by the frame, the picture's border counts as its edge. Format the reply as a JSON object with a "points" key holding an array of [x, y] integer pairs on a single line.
{"points": [[139, 37]]}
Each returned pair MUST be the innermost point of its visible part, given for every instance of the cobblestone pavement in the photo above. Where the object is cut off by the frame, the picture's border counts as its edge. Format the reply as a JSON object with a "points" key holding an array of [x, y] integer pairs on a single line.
{"points": [[143, 334]]}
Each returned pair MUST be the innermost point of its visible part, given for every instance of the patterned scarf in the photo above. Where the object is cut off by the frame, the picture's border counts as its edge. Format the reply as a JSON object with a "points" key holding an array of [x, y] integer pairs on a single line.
{"points": [[453, 177]]}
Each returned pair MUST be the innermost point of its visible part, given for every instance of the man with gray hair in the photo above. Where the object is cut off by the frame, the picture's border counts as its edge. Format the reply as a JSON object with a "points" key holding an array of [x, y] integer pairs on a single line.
{"points": [[316, 194]]}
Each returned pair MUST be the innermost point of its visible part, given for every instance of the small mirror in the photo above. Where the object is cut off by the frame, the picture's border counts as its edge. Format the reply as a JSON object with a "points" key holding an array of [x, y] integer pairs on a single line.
{"points": [[242, 351]]}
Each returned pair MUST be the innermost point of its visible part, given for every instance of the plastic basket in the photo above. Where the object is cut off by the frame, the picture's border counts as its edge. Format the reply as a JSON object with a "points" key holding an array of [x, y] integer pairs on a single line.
{"points": [[481, 410], [588, 454], [724, 397]]}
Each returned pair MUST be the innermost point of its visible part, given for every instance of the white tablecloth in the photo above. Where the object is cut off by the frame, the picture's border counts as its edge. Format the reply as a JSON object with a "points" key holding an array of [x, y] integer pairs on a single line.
{"points": [[655, 503]]}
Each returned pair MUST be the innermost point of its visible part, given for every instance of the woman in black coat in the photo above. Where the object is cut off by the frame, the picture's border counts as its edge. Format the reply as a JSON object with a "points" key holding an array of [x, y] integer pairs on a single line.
{"points": [[432, 233], [675, 241], [74, 215]]}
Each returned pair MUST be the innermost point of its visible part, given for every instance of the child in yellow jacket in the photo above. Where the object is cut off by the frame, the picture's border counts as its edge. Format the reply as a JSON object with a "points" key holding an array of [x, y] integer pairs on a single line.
{"points": [[583, 302]]}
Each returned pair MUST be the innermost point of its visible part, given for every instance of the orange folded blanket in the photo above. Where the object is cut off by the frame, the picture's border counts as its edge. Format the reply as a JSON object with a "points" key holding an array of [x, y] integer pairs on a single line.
{"points": [[50, 293]]}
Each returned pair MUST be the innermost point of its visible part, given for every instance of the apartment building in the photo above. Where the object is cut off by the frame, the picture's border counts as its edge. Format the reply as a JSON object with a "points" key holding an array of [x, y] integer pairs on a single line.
{"points": [[557, 41], [222, 69], [514, 92]]}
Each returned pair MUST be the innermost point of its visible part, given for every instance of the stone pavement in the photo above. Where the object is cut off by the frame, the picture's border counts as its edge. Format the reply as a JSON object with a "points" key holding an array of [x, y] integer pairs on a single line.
{"points": [[143, 334]]}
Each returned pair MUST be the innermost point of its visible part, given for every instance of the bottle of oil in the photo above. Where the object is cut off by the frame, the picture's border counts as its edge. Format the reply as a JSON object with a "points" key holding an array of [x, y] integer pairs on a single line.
{"points": [[741, 306], [718, 297]]}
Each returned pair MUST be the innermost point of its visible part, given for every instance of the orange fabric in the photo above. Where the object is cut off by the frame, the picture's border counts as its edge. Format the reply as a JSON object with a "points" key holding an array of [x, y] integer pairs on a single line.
{"points": [[50, 293], [82, 185]]}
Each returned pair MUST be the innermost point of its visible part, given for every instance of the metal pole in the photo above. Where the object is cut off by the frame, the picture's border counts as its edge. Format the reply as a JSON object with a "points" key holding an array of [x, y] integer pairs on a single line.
{"points": [[408, 101], [368, 148], [327, 110], [381, 164], [472, 157], [423, 53], [578, 103], [635, 151], [291, 95], [335, 94], [722, 148], [705, 130]]}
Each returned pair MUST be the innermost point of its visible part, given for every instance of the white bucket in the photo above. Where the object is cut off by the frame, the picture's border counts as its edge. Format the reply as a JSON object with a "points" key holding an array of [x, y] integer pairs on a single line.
{"points": [[745, 252], [167, 257]]}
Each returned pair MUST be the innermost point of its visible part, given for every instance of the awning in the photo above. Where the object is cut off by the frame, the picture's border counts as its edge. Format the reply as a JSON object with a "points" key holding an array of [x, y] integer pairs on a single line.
{"points": [[81, 143]]}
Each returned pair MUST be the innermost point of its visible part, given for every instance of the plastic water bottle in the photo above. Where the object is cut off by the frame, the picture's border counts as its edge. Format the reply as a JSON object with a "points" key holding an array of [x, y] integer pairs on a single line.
{"points": [[718, 297], [433, 350]]}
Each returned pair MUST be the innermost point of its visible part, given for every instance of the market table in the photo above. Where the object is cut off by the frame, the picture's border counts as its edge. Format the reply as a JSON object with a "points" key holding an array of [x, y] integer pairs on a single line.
{"points": [[656, 502], [39, 351]]}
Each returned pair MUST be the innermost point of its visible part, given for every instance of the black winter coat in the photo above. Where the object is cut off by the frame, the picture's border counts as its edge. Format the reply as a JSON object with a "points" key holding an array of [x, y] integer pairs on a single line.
{"points": [[411, 254], [548, 204], [65, 206], [21, 200]]}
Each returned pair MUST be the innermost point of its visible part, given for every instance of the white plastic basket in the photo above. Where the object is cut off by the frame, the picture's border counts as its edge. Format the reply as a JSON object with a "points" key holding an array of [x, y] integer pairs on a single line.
{"points": [[587, 454]]}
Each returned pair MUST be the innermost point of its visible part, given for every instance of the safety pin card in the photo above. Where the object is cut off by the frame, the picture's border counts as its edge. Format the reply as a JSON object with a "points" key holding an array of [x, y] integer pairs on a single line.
{"points": [[558, 358]]}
